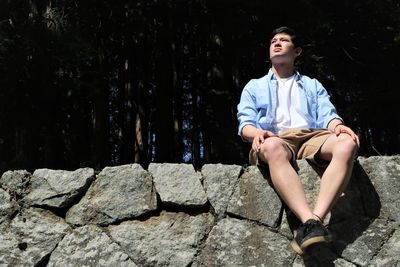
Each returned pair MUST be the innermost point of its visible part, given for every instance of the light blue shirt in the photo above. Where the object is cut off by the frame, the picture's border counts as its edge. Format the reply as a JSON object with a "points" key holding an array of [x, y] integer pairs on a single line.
{"points": [[258, 103]]}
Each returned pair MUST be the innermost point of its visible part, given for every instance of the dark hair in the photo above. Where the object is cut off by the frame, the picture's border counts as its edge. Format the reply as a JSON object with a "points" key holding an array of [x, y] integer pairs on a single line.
{"points": [[287, 30]]}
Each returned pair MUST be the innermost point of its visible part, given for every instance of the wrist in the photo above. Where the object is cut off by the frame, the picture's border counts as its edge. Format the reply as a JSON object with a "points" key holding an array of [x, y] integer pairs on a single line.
{"points": [[337, 125]]}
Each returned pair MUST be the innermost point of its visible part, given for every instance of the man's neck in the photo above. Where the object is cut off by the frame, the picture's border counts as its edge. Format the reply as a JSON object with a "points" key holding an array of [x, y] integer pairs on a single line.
{"points": [[283, 71]]}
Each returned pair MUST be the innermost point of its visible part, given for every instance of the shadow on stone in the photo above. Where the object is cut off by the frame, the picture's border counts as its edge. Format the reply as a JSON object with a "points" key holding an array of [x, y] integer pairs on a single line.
{"points": [[319, 254], [370, 198], [351, 216], [365, 209]]}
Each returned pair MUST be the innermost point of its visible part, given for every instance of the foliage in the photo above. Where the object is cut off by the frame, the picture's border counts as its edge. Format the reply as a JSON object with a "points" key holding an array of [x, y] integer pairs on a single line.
{"points": [[96, 83]]}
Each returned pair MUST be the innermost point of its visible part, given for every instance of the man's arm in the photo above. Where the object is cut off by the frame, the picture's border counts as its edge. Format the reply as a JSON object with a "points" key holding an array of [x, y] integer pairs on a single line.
{"points": [[255, 136], [333, 124], [337, 127]]}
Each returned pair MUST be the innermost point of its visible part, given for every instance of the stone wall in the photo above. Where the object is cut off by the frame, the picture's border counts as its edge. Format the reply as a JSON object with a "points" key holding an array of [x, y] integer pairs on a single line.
{"points": [[171, 215]]}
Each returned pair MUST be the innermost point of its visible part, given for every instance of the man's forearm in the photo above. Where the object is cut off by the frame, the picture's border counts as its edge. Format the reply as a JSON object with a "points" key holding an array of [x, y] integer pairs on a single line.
{"points": [[333, 124], [249, 132]]}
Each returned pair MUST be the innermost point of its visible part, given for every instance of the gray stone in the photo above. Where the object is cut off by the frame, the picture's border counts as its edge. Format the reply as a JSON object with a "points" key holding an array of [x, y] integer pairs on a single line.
{"points": [[8, 207], [388, 256], [364, 221], [234, 242], [349, 203], [322, 260], [15, 182], [88, 246], [171, 239], [119, 193], [219, 182], [384, 173], [310, 179], [58, 188], [31, 237], [255, 199], [178, 184], [359, 240]]}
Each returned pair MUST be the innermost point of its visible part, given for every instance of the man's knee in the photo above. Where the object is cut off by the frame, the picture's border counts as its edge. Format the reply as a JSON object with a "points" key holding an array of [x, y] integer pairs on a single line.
{"points": [[274, 148], [346, 147]]}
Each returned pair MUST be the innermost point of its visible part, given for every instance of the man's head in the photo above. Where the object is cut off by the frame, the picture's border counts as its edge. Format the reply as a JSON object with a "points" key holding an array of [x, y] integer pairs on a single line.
{"points": [[284, 47]]}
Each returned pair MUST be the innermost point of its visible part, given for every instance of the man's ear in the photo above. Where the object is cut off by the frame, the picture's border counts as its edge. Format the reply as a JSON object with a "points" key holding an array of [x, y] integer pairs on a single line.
{"points": [[298, 51]]}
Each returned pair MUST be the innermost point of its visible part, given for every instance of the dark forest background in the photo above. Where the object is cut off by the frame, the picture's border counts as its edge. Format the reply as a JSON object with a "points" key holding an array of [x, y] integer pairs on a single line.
{"points": [[98, 83]]}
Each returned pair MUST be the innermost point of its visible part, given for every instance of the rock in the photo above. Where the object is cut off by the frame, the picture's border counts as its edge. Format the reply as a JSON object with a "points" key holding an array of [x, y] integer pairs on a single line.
{"points": [[389, 254], [319, 259], [8, 207], [349, 204], [58, 188], [178, 184], [255, 199], [88, 246], [171, 239], [219, 182], [119, 193], [384, 173], [359, 240], [234, 242], [182, 230], [15, 182], [31, 237]]}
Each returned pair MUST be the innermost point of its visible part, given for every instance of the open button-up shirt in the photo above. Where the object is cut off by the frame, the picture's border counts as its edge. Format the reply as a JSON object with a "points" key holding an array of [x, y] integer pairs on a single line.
{"points": [[258, 103]]}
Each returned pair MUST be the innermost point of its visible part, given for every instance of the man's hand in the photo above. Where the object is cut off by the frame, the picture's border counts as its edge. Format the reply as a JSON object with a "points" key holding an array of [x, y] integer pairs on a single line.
{"points": [[341, 128], [260, 138]]}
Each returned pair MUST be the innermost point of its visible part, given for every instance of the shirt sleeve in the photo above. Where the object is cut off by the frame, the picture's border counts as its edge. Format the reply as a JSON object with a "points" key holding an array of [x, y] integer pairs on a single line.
{"points": [[326, 111], [247, 112]]}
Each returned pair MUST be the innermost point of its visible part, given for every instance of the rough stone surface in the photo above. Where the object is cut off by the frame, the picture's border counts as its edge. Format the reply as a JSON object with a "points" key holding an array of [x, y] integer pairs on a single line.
{"points": [[255, 199], [358, 241], [119, 193], [31, 237], [89, 246], [234, 242], [58, 188], [237, 219], [384, 173], [321, 257], [15, 182], [178, 184], [389, 254], [171, 239], [7, 206], [219, 182]]}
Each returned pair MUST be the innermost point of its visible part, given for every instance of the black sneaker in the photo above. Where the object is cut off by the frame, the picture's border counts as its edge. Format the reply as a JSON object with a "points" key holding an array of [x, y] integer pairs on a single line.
{"points": [[310, 232]]}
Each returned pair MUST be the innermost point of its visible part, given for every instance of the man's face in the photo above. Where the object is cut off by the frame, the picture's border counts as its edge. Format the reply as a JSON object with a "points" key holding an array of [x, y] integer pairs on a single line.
{"points": [[282, 49]]}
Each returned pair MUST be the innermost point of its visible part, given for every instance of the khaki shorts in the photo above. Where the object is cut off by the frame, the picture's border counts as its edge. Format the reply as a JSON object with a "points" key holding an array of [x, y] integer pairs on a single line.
{"points": [[303, 143]]}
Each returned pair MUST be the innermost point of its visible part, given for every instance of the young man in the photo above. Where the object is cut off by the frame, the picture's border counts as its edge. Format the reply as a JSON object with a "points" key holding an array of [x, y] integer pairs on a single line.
{"points": [[288, 116]]}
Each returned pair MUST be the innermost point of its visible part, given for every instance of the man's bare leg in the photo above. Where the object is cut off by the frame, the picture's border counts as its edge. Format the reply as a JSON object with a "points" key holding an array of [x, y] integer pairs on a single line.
{"points": [[285, 179], [340, 151]]}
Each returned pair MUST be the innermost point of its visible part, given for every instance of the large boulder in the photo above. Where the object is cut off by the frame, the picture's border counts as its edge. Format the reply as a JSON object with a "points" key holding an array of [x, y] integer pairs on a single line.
{"points": [[171, 239], [58, 188], [88, 246], [234, 242], [31, 237], [178, 184], [219, 183], [15, 182], [255, 199], [119, 193]]}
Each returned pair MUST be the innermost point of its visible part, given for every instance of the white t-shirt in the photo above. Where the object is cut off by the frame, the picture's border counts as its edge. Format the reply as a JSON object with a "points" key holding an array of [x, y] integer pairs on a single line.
{"points": [[288, 113]]}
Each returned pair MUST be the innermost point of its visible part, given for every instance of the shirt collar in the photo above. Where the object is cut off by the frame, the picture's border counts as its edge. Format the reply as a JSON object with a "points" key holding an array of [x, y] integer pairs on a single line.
{"points": [[299, 79]]}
